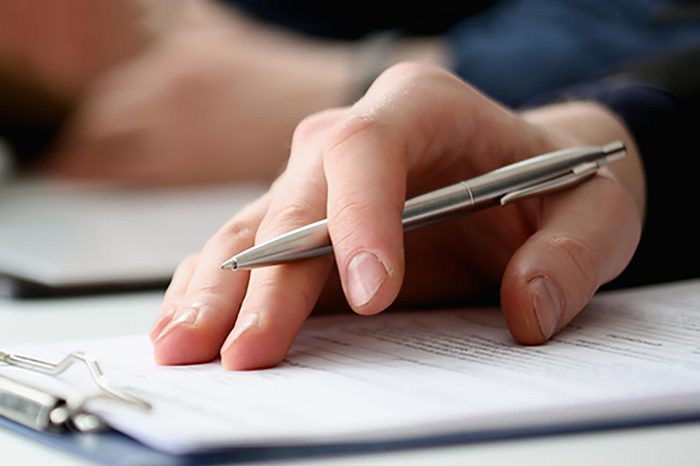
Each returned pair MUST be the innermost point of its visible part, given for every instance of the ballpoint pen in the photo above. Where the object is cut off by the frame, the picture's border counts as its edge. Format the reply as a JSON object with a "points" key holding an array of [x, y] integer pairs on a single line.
{"points": [[529, 177]]}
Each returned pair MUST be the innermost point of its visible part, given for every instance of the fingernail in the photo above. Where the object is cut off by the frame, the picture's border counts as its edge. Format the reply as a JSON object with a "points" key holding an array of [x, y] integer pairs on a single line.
{"points": [[547, 305], [366, 273], [161, 322], [186, 317], [244, 324]]}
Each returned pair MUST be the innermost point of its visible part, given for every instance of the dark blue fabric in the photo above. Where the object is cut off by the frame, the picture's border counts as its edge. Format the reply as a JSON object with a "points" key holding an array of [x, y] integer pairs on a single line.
{"points": [[664, 122], [523, 47], [510, 49]]}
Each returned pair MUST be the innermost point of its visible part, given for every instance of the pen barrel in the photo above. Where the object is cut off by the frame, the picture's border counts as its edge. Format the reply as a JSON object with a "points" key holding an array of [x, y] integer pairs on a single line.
{"points": [[492, 188], [309, 241], [536, 175], [438, 206]]}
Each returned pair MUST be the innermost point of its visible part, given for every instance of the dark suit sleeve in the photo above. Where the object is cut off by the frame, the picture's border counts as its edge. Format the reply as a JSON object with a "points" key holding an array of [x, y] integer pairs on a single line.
{"points": [[659, 101]]}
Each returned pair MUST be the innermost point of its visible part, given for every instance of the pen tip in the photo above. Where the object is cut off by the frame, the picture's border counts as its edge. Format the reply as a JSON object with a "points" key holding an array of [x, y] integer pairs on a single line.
{"points": [[229, 264]]}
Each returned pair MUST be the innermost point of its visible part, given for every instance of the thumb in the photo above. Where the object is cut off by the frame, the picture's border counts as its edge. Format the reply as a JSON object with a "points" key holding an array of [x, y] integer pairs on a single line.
{"points": [[585, 238]]}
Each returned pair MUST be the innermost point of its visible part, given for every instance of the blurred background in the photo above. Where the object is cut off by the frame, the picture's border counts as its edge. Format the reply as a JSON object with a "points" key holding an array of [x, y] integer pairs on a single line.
{"points": [[133, 129]]}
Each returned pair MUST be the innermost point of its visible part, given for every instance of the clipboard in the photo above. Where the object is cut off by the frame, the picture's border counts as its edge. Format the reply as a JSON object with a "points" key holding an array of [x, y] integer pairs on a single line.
{"points": [[112, 448], [69, 426], [45, 418], [27, 411], [677, 405]]}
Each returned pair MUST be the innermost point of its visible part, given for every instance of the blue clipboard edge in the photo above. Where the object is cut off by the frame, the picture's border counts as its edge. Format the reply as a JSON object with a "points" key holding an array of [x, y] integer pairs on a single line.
{"points": [[112, 448]]}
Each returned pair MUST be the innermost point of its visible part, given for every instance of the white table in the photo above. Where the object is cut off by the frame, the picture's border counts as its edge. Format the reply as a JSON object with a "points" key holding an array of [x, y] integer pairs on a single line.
{"points": [[54, 320]]}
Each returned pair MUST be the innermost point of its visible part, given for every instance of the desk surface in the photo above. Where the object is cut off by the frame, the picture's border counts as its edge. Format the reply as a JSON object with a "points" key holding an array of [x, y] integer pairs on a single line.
{"points": [[55, 320]]}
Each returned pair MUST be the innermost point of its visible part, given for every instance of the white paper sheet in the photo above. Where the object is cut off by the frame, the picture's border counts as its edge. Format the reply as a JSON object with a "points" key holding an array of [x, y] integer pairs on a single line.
{"points": [[631, 355]]}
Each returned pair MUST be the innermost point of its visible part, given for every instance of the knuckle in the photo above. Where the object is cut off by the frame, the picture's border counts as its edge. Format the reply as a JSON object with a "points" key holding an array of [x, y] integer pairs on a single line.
{"points": [[181, 276], [288, 217], [355, 125], [188, 261], [315, 124], [410, 71], [411, 75], [344, 220], [184, 268], [296, 212], [292, 297], [210, 290], [233, 229], [584, 260]]}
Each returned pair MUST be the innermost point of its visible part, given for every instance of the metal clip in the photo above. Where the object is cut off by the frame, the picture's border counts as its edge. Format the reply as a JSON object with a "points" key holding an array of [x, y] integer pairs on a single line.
{"points": [[576, 176], [74, 407], [608, 154]]}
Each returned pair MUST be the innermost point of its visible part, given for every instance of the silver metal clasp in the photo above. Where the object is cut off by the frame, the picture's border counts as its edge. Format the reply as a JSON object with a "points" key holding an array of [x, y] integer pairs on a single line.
{"points": [[73, 409]]}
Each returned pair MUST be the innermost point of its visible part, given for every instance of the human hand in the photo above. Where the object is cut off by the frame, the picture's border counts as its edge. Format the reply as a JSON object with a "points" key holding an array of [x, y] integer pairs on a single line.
{"points": [[417, 128], [65, 45], [215, 98]]}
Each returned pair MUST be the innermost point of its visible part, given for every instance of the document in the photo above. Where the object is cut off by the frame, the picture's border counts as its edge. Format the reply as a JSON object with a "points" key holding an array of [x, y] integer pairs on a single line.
{"points": [[631, 357], [57, 235]]}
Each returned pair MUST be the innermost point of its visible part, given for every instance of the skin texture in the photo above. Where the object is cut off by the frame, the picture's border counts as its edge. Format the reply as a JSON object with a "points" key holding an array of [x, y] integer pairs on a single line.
{"points": [[417, 128], [66, 45], [191, 109], [177, 91]]}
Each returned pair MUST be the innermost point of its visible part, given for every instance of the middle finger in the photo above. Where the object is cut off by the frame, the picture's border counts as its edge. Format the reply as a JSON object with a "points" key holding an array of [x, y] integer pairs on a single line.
{"points": [[280, 298]]}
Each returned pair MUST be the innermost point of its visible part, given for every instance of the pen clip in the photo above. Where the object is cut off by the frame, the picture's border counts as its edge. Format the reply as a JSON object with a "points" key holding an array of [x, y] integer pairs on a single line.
{"points": [[575, 176], [605, 155]]}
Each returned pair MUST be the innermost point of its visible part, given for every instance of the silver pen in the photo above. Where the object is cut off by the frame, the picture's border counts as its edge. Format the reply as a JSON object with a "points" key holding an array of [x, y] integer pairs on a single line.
{"points": [[530, 177]]}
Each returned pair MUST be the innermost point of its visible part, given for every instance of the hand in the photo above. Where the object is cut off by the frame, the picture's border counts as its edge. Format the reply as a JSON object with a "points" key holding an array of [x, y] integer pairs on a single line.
{"points": [[215, 98], [417, 128], [65, 45], [193, 106]]}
